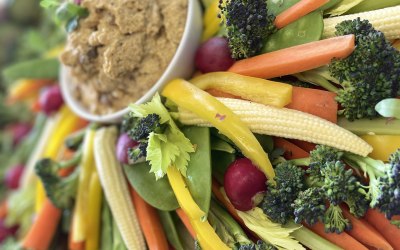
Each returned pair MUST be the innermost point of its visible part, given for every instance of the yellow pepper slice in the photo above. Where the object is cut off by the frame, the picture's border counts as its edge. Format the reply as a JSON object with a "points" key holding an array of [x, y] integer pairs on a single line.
{"points": [[81, 211], [211, 13], [210, 109], [210, 30], [206, 235], [384, 145], [249, 88], [93, 219]]}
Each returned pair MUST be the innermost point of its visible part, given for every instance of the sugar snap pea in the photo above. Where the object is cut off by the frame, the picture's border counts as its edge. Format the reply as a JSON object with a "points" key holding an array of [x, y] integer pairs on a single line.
{"points": [[170, 229], [158, 193], [46, 68], [199, 167]]}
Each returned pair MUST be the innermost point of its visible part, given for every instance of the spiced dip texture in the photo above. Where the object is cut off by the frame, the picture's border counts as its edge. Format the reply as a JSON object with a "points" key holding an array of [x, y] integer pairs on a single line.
{"points": [[121, 49]]}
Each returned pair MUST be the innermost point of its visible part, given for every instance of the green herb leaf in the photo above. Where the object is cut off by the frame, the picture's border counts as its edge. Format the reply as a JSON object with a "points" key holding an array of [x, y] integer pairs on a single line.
{"points": [[169, 148], [47, 4], [389, 108]]}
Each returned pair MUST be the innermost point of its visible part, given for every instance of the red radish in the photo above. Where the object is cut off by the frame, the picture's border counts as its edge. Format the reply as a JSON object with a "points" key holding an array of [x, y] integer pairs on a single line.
{"points": [[51, 99], [123, 145], [6, 232], [13, 176], [19, 131], [243, 182], [214, 55]]}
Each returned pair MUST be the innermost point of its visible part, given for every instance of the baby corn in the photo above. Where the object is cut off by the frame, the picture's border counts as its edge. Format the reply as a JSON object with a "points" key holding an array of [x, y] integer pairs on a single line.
{"points": [[386, 20], [287, 123]]}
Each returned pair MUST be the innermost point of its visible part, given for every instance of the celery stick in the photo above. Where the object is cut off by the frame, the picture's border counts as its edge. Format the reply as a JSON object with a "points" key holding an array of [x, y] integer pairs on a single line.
{"points": [[368, 5], [378, 126], [313, 240]]}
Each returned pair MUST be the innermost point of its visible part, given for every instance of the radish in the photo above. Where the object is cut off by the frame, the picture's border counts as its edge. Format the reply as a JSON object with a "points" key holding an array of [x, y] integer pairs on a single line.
{"points": [[13, 176], [214, 55], [123, 145], [244, 184], [51, 99]]}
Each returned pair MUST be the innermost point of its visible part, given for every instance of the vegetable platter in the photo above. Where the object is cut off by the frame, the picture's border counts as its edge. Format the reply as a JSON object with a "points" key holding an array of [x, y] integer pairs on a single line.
{"points": [[287, 136]]}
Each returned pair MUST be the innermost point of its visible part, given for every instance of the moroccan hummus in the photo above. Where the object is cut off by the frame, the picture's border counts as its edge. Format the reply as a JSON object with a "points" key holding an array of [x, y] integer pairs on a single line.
{"points": [[121, 49]]}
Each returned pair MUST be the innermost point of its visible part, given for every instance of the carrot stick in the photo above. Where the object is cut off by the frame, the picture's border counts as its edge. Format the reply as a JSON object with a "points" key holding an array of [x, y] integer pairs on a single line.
{"points": [[291, 150], [295, 59], [390, 232], [3, 209], [365, 233], [44, 228], [316, 102], [24, 89], [342, 240], [149, 223], [185, 220], [297, 11], [305, 145]]}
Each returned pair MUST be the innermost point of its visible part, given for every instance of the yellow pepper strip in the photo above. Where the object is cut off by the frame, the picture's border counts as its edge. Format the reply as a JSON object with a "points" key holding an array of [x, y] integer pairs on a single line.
{"points": [[206, 235], [211, 13], [249, 88], [383, 145], [65, 126], [210, 30], [207, 107], [93, 219], [22, 90], [87, 168]]}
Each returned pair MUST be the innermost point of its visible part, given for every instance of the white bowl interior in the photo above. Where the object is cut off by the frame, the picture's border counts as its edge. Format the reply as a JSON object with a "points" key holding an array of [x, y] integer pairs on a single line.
{"points": [[181, 65]]}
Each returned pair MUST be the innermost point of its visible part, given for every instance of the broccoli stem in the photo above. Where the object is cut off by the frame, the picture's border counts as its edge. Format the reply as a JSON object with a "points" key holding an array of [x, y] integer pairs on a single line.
{"points": [[72, 162], [378, 126], [301, 161], [316, 79], [231, 227], [311, 239], [75, 140]]}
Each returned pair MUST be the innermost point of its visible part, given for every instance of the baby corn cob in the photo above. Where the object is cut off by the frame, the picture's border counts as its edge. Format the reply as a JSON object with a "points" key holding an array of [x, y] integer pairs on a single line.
{"points": [[386, 20], [287, 123], [116, 189]]}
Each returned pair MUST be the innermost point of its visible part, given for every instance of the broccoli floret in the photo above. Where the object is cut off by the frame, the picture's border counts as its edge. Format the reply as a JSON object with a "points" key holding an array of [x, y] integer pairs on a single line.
{"points": [[261, 245], [60, 190], [248, 24], [309, 206], [388, 200], [334, 220], [278, 200], [139, 130], [318, 158], [370, 74], [144, 126]]}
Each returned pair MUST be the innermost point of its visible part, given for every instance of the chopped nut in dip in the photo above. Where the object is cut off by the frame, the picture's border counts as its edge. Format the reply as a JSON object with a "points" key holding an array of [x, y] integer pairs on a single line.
{"points": [[121, 49]]}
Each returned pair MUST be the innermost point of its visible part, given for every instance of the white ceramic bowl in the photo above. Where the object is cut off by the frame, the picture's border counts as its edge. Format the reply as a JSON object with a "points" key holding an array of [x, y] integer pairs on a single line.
{"points": [[181, 65]]}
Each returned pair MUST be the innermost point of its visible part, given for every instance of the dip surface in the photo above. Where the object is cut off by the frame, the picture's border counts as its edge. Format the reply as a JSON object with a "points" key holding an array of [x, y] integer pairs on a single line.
{"points": [[121, 49]]}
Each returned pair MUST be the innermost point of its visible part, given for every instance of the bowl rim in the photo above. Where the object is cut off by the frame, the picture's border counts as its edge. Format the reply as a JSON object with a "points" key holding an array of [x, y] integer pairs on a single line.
{"points": [[193, 7]]}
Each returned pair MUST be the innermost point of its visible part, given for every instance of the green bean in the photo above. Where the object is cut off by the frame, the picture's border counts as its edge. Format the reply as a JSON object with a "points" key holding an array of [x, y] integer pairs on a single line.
{"points": [[170, 229]]}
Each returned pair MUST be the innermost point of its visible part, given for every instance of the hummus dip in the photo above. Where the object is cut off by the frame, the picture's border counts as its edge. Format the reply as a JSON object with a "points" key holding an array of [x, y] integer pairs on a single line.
{"points": [[121, 49]]}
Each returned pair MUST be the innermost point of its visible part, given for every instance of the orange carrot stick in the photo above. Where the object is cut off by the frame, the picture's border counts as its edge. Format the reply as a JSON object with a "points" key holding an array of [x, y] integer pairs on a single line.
{"points": [[342, 240], [24, 89], [297, 11], [185, 220], [291, 150], [149, 223], [390, 232], [3, 209], [305, 145], [44, 228], [296, 59], [316, 102], [365, 233]]}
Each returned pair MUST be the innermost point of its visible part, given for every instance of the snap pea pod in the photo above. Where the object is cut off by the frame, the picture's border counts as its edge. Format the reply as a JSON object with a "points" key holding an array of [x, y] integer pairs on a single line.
{"points": [[220, 162], [158, 193], [306, 29], [198, 175], [221, 145], [278, 6], [46, 68], [368, 5], [170, 229], [331, 4], [106, 226]]}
